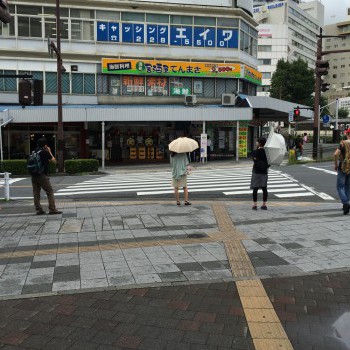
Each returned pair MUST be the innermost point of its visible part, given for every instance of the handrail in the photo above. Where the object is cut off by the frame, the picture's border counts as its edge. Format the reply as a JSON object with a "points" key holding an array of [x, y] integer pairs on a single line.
{"points": [[6, 185]]}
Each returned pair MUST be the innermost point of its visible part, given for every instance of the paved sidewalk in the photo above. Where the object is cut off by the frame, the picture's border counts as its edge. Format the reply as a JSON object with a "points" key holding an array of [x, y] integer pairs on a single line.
{"points": [[156, 259]]}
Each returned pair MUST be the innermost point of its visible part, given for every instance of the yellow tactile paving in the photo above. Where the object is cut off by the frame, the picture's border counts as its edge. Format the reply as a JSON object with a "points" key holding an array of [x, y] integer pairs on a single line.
{"points": [[272, 344], [264, 325]]}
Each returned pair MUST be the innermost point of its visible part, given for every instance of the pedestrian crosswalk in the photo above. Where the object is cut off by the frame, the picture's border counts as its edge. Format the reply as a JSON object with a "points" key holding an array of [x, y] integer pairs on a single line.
{"points": [[229, 182]]}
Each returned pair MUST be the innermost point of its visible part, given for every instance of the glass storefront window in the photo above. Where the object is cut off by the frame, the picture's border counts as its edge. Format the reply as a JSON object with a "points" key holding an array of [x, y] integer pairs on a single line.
{"points": [[82, 30], [174, 19], [29, 10], [50, 28], [7, 29], [227, 22], [108, 15], [205, 21], [80, 13]]}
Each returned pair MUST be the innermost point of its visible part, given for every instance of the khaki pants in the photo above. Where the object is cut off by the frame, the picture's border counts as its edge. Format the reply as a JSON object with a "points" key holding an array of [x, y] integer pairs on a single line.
{"points": [[39, 182]]}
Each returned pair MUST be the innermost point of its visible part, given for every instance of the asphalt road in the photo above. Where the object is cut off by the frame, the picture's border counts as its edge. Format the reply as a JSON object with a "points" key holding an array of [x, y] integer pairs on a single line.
{"points": [[318, 178]]}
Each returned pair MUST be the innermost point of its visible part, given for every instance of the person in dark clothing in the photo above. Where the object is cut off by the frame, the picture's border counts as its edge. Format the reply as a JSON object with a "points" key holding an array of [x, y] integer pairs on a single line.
{"points": [[259, 173], [42, 181]]}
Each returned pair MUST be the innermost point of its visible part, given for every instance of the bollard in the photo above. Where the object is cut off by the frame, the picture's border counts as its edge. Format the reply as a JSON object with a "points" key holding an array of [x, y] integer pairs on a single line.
{"points": [[7, 186]]}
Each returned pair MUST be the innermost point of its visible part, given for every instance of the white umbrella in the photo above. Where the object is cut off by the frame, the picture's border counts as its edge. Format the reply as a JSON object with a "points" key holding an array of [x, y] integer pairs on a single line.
{"points": [[183, 145], [275, 149]]}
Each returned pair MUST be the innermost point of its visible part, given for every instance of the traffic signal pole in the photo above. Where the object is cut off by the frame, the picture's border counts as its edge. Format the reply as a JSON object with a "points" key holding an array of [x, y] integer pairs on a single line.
{"points": [[317, 100]]}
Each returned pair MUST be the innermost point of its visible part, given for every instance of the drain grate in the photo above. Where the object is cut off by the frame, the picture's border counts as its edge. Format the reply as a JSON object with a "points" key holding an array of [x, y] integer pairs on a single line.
{"points": [[196, 235]]}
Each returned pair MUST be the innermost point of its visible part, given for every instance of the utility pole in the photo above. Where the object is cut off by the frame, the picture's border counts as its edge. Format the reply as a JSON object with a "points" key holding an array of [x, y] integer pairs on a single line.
{"points": [[60, 137], [317, 99]]}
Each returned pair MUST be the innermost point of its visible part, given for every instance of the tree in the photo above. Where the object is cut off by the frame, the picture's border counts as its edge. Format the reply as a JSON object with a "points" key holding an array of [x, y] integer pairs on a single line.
{"points": [[343, 113], [293, 81]]}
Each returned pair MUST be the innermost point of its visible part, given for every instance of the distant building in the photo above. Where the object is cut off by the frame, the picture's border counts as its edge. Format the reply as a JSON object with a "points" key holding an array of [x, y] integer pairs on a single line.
{"points": [[339, 63], [288, 30]]}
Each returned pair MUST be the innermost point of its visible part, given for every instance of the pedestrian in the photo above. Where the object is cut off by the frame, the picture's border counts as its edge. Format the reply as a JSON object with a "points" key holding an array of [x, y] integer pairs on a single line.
{"points": [[179, 163], [42, 181], [290, 142], [298, 147], [305, 138], [259, 173], [343, 176], [208, 148]]}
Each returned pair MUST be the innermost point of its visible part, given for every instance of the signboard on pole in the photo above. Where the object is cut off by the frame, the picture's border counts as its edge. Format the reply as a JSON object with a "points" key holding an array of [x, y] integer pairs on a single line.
{"points": [[204, 143], [291, 116]]}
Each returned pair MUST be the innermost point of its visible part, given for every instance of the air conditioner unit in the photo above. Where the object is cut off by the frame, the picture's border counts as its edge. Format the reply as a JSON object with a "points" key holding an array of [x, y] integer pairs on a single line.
{"points": [[190, 100], [228, 99]]}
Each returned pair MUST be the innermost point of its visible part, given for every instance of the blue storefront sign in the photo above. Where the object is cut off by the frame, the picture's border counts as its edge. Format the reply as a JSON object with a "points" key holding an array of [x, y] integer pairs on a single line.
{"points": [[162, 34]]}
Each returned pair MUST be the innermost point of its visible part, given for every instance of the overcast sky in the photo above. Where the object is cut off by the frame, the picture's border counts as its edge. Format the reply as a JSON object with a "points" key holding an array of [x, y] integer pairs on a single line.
{"points": [[335, 10]]}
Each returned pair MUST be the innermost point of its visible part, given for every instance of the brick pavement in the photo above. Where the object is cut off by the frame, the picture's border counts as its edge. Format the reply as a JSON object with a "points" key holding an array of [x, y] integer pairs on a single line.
{"points": [[145, 246]]}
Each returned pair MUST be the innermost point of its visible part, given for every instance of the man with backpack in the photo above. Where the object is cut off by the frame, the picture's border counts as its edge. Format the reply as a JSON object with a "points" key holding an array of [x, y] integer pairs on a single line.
{"points": [[343, 168], [38, 167]]}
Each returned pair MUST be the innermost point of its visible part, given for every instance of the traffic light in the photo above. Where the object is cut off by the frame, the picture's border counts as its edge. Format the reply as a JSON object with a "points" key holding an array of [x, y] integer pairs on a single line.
{"points": [[4, 14], [37, 92], [25, 92], [296, 114], [324, 87], [322, 67]]}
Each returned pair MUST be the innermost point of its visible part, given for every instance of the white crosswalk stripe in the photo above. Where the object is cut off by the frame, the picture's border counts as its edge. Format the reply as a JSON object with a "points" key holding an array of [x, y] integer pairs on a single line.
{"points": [[229, 181]]}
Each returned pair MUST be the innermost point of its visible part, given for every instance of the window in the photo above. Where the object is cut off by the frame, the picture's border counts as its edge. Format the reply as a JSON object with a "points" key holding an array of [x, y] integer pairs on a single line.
{"points": [[50, 28], [264, 62], [133, 16], [209, 87], [65, 83], [180, 86], [8, 84], [51, 82], [82, 13], [114, 85], [157, 18], [29, 10], [226, 86], [181, 20], [82, 30], [227, 22], [204, 21], [198, 87], [266, 75], [133, 85], [157, 86], [264, 48], [77, 83], [29, 27], [7, 29], [89, 84], [108, 15], [64, 12]]}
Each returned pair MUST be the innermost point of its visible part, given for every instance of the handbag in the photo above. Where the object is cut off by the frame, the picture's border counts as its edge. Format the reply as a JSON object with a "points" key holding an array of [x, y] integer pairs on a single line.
{"points": [[189, 170]]}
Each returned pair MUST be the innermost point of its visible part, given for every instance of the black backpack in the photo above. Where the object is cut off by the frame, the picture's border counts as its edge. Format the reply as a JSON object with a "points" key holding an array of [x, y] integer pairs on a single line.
{"points": [[34, 163]]}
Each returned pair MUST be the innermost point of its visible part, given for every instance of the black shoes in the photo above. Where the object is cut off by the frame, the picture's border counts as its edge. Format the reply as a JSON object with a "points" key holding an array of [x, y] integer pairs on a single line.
{"points": [[346, 208], [254, 207], [40, 212], [187, 203], [55, 212], [263, 207]]}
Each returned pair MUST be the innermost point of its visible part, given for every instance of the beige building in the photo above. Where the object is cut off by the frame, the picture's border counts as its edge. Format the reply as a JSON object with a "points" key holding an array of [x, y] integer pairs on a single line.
{"points": [[339, 63]]}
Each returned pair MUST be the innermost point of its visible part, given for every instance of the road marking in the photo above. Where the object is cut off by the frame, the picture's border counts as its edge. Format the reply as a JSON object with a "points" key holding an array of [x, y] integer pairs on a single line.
{"points": [[332, 172]]}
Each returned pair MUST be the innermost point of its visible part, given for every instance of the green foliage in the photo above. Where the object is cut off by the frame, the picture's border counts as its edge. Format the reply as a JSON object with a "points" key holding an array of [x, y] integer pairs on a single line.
{"points": [[15, 167], [343, 113], [75, 166], [293, 81], [19, 167]]}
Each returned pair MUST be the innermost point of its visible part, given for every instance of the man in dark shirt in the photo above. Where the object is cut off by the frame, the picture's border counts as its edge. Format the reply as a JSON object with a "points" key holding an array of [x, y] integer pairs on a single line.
{"points": [[343, 179], [42, 181]]}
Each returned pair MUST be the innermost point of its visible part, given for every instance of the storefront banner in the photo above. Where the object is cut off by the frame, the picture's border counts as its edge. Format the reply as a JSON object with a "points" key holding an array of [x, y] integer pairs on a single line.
{"points": [[252, 75], [242, 142], [204, 143], [171, 68]]}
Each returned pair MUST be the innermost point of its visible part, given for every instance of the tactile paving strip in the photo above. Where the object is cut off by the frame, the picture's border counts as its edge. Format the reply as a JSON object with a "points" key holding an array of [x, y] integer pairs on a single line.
{"points": [[264, 325]]}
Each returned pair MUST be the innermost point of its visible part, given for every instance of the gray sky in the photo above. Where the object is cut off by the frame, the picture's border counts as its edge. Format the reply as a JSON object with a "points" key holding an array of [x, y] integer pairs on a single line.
{"points": [[335, 10]]}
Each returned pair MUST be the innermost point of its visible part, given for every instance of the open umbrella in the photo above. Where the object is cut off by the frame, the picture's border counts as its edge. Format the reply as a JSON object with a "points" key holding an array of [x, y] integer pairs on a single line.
{"points": [[183, 145], [275, 149]]}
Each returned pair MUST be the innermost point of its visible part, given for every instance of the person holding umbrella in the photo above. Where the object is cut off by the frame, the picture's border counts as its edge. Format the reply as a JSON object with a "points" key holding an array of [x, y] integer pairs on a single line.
{"points": [[260, 173], [179, 162]]}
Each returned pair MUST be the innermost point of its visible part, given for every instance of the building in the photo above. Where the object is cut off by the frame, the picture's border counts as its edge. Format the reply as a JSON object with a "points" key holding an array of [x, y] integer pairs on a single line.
{"points": [[128, 67], [287, 30], [339, 63]]}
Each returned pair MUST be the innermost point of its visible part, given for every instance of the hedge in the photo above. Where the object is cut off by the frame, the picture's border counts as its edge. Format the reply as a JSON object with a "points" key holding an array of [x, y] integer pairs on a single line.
{"points": [[19, 167], [75, 166]]}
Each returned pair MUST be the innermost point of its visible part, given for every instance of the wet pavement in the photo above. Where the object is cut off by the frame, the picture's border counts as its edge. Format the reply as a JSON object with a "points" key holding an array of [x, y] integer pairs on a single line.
{"points": [[150, 275]]}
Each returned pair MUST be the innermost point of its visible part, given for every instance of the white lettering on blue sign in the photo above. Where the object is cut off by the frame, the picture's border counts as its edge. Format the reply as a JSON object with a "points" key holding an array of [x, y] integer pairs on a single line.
{"points": [[162, 34], [273, 6]]}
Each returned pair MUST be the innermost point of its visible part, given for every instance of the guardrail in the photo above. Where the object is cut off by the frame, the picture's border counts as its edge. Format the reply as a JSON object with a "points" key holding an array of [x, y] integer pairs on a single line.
{"points": [[6, 185], [325, 150]]}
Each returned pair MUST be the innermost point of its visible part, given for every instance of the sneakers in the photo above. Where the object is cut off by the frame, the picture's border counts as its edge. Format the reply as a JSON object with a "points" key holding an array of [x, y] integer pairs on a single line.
{"points": [[346, 208], [55, 212], [263, 207], [41, 212]]}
